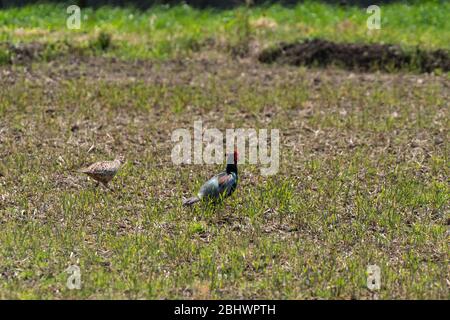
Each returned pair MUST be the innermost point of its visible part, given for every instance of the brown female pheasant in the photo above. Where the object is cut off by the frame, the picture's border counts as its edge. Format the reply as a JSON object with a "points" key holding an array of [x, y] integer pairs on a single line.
{"points": [[103, 171]]}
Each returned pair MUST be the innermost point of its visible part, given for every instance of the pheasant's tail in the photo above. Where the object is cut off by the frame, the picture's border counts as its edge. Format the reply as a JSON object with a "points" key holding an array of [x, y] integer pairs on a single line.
{"points": [[190, 201]]}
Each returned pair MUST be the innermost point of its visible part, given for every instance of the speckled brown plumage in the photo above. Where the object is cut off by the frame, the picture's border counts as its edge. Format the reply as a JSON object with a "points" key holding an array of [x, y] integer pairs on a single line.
{"points": [[103, 171]]}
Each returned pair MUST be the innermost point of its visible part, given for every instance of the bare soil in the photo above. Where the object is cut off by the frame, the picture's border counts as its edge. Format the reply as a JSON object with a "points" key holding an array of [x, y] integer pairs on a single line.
{"points": [[354, 56]]}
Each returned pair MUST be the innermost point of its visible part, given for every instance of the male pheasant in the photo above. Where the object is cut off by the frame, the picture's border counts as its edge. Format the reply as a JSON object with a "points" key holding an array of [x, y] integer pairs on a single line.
{"points": [[220, 186], [103, 171]]}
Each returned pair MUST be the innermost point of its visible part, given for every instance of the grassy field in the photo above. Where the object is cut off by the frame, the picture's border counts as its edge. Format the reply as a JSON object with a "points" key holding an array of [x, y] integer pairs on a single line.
{"points": [[363, 173], [164, 32]]}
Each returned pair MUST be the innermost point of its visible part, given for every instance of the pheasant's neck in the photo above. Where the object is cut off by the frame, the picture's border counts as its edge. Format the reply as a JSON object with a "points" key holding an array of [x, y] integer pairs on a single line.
{"points": [[231, 167]]}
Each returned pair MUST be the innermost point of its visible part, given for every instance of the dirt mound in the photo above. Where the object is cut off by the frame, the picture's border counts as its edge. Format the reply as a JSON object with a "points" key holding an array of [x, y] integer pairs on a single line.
{"points": [[364, 57]]}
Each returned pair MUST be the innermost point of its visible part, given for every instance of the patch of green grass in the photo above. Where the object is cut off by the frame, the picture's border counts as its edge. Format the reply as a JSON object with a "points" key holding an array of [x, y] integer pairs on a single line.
{"points": [[164, 32], [5, 55], [102, 42]]}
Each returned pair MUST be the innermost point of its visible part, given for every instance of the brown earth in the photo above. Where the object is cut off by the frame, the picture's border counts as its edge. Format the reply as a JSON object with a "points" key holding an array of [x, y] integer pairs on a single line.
{"points": [[315, 53], [354, 56]]}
